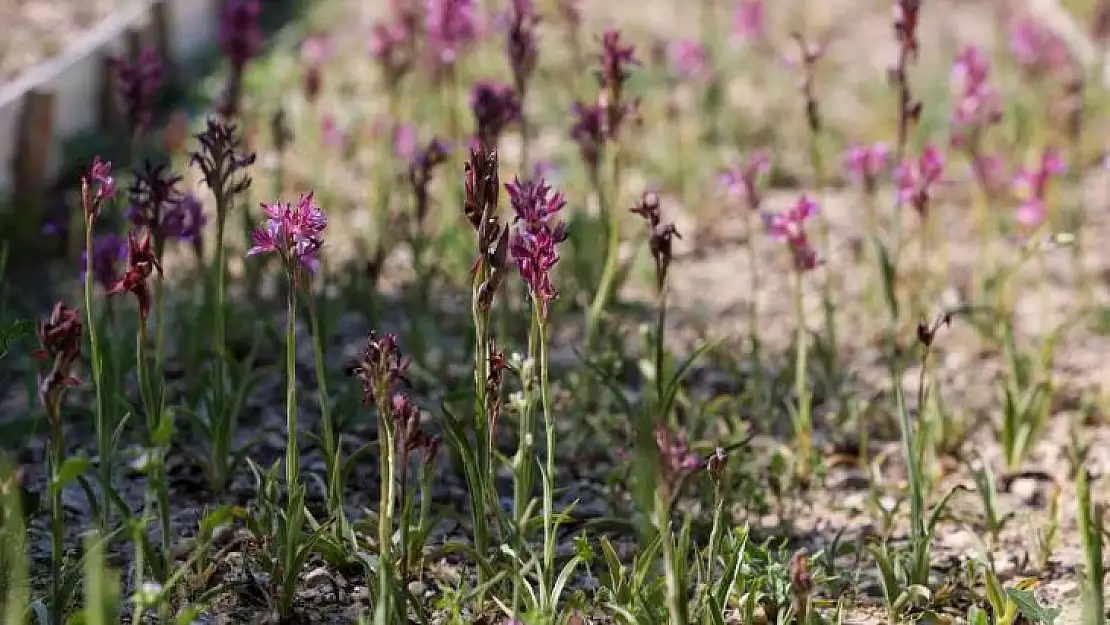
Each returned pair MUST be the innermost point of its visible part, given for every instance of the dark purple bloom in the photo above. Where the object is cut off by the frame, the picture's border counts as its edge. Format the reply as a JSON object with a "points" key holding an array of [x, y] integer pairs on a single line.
{"points": [[185, 220], [588, 132], [521, 44], [240, 33], [615, 62], [137, 84], [450, 26], [380, 366], [222, 161], [294, 232], [534, 245], [240, 36], [153, 195], [422, 167], [109, 251], [495, 106]]}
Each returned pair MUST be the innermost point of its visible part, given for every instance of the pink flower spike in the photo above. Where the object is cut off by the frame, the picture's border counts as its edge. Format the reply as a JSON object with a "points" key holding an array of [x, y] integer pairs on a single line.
{"points": [[742, 181], [1031, 186], [689, 60], [916, 180], [294, 232], [866, 162], [789, 226], [749, 22]]}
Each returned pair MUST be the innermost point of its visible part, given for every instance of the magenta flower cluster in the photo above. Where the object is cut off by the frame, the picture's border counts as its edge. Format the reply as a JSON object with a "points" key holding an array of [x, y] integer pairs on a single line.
{"points": [[978, 103], [742, 180], [534, 245], [789, 226], [749, 21], [916, 179], [1031, 187], [450, 26], [689, 60], [865, 163], [1036, 47], [293, 231]]}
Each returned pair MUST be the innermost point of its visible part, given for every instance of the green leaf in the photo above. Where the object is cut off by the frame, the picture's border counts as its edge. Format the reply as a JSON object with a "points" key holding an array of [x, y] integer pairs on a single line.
{"points": [[70, 470], [1030, 608], [14, 332]]}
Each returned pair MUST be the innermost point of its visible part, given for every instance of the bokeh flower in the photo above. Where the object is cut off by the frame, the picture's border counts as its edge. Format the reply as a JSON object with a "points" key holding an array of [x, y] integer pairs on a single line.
{"points": [[742, 180], [292, 231], [495, 106], [916, 179], [450, 25], [588, 131], [520, 44], [1036, 47], [865, 163], [137, 84], [1031, 187], [749, 21], [109, 251], [689, 60], [978, 102]]}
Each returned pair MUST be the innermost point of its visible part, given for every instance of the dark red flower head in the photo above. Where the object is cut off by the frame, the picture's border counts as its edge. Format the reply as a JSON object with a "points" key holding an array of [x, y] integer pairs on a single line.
{"points": [[60, 343], [141, 263], [380, 366]]}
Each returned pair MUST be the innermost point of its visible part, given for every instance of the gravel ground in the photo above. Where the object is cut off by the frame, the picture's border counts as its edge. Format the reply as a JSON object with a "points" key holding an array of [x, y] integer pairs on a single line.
{"points": [[37, 30]]}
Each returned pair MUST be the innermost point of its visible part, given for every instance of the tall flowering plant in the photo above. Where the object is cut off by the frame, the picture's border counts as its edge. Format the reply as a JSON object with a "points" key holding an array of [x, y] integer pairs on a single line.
{"points": [[789, 227]]}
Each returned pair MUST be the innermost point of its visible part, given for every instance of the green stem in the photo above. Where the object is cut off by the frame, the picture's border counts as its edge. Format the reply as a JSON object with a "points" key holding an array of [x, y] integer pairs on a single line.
{"points": [[675, 589], [549, 534], [387, 450], [803, 427], [753, 306], [292, 456], [330, 441], [103, 427], [608, 206], [57, 451]]}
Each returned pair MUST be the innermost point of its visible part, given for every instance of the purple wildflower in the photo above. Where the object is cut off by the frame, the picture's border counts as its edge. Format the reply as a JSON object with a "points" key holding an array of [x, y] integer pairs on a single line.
{"points": [[240, 34], [185, 220], [1035, 47], [109, 251], [789, 226], [153, 195], [223, 162], [97, 186], [240, 37], [380, 366], [404, 141], [915, 180], [137, 84], [521, 42], [291, 231], [1031, 186], [866, 162], [450, 25], [141, 264], [495, 106], [589, 133], [534, 245], [615, 61], [315, 51], [978, 103], [422, 167], [742, 181], [690, 60], [676, 459], [393, 41], [749, 22]]}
